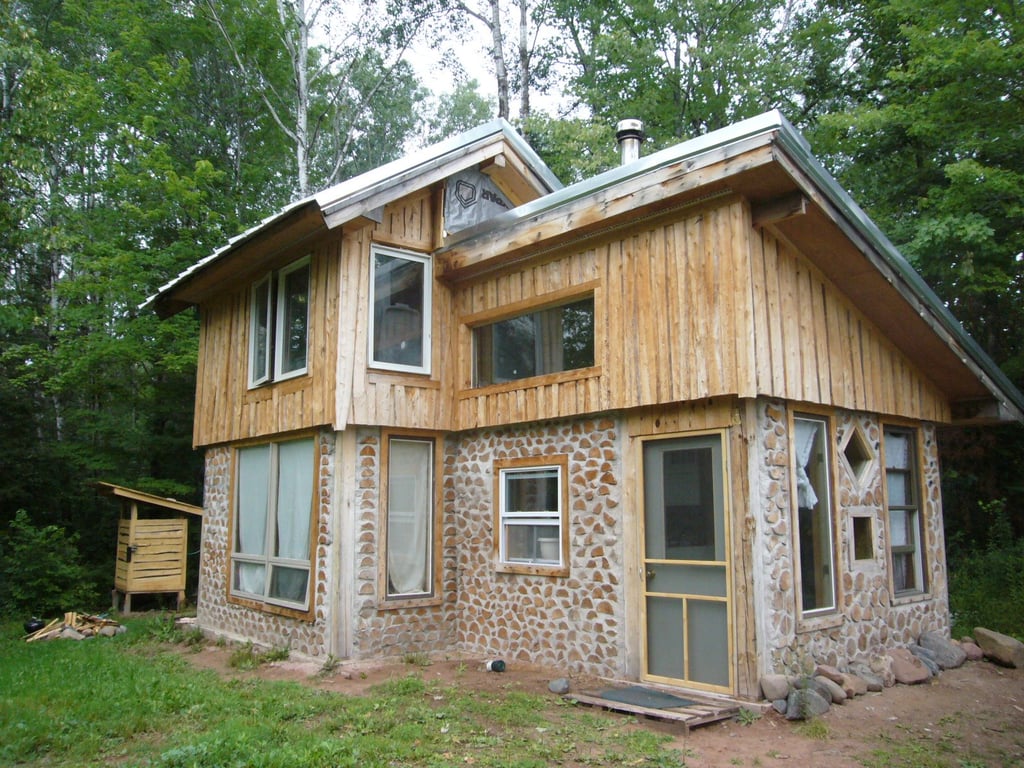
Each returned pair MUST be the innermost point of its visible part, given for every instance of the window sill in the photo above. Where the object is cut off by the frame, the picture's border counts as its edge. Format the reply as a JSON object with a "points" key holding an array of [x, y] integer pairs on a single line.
{"points": [[562, 377], [421, 380], [266, 391], [909, 598], [831, 620], [278, 610], [399, 603], [526, 569]]}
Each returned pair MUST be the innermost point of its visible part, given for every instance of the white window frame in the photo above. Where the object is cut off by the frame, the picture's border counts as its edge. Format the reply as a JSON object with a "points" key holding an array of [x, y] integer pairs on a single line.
{"points": [[555, 518], [272, 287], [912, 508], [425, 318], [267, 559]]}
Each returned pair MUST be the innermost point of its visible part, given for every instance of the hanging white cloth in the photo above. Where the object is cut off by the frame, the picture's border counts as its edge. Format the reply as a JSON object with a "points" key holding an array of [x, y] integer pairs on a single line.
{"points": [[409, 489], [806, 432]]}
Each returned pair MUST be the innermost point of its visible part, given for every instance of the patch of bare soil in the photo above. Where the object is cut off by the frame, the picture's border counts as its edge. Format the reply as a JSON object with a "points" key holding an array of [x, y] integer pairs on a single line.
{"points": [[966, 718]]}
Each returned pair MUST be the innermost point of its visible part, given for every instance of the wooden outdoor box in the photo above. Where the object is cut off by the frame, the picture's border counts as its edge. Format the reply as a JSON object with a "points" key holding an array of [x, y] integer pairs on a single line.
{"points": [[151, 549]]}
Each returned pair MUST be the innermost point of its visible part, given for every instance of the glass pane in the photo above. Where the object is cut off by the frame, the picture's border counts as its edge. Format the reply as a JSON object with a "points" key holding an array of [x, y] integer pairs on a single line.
{"points": [[252, 495], [410, 516], [294, 499], [899, 531], [817, 572], [289, 584], [689, 504], [687, 579], [294, 319], [535, 343], [259, 348], [532, 543], [532, 490], [249, 578], [897, 450], [664, 637], [398, 310], [898, 485], [903, 571], [706, 627]]}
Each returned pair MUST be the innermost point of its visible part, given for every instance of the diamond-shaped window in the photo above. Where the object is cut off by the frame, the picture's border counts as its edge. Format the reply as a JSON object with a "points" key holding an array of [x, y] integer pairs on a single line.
{"points": [[858, 454]]}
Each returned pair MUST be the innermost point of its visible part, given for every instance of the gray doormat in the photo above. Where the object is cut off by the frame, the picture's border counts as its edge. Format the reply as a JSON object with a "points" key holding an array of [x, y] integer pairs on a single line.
{"points": [[645, 697]]}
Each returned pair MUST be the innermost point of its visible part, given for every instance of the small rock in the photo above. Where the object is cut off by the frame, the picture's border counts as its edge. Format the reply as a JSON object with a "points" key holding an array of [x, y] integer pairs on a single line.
{"points": [[881, 665], [108, 631], [1002, 649], [775, 687], [803, 683], [779, 705], [907, 668], [972, 650], [804, 703], [863, 672], [70, 633], [856, 686], [927, 658], [948, 655], [835, 691], [559, 685], [827, 670]]}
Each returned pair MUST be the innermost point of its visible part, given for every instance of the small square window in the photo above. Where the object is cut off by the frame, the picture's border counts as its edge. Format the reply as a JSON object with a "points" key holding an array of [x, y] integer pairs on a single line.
{"points": [[863, 538]]}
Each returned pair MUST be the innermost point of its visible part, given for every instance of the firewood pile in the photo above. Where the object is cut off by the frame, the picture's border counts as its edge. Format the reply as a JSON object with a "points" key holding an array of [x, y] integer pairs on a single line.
{"points": [[76, 626]]}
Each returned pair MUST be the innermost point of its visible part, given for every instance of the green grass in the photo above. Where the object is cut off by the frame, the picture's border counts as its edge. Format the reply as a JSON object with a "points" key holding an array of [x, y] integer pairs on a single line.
{"points": [[135, 700]]}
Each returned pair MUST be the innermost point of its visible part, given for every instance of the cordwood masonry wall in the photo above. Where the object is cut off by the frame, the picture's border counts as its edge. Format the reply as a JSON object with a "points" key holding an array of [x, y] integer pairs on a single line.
{"points": [[868, 618], [573, 622]]}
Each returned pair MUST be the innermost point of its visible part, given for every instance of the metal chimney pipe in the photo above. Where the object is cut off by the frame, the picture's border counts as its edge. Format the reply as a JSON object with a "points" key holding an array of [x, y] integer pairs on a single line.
{"points": [[629, 133]]}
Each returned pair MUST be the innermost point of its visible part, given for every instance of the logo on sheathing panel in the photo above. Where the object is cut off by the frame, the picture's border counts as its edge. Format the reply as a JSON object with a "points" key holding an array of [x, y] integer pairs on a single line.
{"points": [[465, 193]]}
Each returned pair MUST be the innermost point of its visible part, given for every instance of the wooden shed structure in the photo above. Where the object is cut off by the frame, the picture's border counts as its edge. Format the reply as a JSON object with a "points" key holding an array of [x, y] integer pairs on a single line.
{"points": [[675, 423], [152, 545]]}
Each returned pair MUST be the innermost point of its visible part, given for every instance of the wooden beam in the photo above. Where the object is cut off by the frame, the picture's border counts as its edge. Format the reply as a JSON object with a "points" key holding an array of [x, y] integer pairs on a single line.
{"points": [[780, 209]]}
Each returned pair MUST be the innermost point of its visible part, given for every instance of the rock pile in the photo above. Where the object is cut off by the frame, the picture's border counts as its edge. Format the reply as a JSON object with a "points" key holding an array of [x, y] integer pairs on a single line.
{"points": [[803, 696]]}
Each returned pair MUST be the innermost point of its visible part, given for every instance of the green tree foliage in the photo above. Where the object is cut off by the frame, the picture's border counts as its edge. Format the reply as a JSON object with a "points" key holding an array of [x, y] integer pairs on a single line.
{"points": [[41, 572]]}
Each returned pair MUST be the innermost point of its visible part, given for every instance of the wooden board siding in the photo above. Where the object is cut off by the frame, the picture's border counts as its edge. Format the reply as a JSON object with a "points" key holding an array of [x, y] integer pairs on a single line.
{"points": [[158, 559], [812, 345], [671, 319], [386, 398], [226, 409]]}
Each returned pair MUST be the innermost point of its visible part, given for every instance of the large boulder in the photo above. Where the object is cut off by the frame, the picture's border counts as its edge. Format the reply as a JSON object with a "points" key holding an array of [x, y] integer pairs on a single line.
{"points": [[854, 685], [1000, 648], [871, 679], [775, 687], [881, 665], [947, 654], [835, 691], [907, 669], [926, 657], [804, 703]]}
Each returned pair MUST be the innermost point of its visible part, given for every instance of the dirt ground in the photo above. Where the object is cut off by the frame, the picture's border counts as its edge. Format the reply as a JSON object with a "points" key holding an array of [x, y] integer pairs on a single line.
{"points": [[966, 718]]}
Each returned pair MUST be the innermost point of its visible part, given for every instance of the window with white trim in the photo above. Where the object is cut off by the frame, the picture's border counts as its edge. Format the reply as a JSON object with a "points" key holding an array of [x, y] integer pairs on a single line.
{"points": [[272, 524], [902, 502], [410, 518], [279, 325], [531, 519], [400, 304]]}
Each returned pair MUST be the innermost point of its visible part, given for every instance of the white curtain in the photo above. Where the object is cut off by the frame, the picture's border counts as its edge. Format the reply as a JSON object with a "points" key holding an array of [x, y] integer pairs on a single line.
{"points": [[806, 431], [294, 512], [409, 516], [897, 449], [251, 525]]}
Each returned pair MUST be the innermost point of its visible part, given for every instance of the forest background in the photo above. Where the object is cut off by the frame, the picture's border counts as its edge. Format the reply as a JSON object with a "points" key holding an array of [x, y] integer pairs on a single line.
{"points": [[138, 136]]}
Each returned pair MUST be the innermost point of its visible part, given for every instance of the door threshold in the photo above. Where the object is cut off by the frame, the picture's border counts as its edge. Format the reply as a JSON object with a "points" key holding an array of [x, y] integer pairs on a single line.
{"points": [[689, 708]]}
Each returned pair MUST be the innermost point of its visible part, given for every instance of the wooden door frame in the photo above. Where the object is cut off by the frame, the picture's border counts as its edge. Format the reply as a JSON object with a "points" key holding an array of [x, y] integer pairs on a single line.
{"points": [[639, 479]]}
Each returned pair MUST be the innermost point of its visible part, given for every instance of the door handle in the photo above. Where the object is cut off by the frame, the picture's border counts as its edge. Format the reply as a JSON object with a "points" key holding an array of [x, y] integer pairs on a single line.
{"points": [[650, 575]]}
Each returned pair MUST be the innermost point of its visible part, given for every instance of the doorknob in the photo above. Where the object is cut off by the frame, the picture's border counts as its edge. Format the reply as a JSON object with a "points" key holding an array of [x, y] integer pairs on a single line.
{"points": [[651, 575]]}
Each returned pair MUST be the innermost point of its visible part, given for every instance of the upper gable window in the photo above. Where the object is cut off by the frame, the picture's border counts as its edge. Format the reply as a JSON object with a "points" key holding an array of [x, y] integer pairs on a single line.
{"points": [[535, 343], [279, 330], [400, 316]]}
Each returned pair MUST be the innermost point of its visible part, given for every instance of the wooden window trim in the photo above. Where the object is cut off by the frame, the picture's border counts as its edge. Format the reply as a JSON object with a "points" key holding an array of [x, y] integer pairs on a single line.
{"points": [[561, 461], [309, 613], [384, 601], [272, 281], [905, 597]]}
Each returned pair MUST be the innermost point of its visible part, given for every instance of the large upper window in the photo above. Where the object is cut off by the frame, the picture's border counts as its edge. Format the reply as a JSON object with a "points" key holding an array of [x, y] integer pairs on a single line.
{"points": [[904, 510], [270, 553], [549, 340], [410, 518], [531, 526], [400, 316], [814, 514], [279, 327]]}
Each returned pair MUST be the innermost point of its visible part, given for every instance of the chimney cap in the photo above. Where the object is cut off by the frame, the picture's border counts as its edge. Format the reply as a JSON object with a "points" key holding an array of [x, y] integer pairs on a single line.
{"points": [[630, 128]]}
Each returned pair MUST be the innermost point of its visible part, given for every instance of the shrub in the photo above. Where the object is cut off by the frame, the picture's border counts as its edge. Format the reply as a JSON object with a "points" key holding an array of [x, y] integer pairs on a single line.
{"points": [[41, 570], [986, 584]]}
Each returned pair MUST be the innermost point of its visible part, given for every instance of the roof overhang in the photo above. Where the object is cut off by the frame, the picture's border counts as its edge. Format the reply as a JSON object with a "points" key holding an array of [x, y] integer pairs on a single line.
{"points": [[495, 148], [128, 494], [768, 162]]}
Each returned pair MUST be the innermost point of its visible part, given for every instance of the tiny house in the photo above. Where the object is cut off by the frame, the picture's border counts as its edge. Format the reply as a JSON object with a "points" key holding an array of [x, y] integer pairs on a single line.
{"points": [[675, 423]]}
